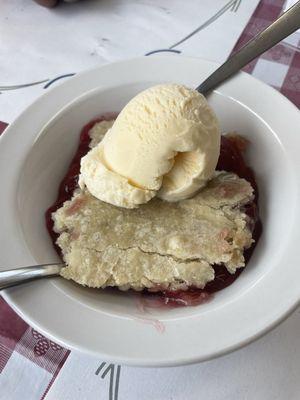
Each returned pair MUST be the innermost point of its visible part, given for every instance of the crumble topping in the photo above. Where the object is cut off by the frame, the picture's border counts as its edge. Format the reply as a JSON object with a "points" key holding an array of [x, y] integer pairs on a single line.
{"points": [[98, 131], [160, 245]]}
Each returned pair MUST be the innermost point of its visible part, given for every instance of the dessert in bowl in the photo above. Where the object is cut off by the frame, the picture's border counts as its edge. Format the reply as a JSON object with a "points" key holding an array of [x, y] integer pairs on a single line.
{"points": [[115, 324], [182, 228]]}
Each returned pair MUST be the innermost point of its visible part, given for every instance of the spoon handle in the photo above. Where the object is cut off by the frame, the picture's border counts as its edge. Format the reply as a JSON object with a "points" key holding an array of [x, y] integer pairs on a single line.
{"points": [[288, 23], [16, 276]]}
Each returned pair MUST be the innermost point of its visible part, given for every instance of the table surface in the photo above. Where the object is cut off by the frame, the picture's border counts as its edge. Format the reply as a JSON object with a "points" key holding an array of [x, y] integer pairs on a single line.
{"points": [[34, 367]]}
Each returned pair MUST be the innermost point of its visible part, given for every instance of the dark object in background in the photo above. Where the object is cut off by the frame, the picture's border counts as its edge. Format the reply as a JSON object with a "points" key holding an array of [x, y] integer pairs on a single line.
{"points": [[47, 3], [51, 3]]}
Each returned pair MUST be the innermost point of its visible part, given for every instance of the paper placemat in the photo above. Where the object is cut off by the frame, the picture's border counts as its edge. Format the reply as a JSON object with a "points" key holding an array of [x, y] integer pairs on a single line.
{"points": [[38, 44]]}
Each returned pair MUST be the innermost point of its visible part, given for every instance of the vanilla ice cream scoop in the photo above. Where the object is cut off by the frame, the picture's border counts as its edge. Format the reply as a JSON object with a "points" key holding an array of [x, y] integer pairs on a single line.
{"points": [[165, 142]]}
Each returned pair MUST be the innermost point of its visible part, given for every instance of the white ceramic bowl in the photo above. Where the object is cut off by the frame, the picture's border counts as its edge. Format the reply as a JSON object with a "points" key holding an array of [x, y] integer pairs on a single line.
{"points": [[34, 154]]}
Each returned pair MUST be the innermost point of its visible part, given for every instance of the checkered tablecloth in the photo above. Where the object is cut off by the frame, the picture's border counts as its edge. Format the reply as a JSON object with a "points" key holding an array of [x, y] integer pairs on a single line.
{"points": [[280, 66], [29, 362]]}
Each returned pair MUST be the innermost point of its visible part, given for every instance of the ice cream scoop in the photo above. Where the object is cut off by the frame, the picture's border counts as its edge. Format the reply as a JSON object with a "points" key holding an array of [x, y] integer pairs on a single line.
{"points": [[165, 142], [107, 185]]}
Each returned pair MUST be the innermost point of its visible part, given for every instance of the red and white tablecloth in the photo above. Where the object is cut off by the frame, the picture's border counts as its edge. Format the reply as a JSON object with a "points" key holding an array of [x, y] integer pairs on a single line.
{"points": [[34, 367], [280, 66]]}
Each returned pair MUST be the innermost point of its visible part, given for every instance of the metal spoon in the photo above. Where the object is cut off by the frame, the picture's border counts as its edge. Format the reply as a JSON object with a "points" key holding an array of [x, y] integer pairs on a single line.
{"points": [[284, 26], [279, 30], [16, 276]]}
